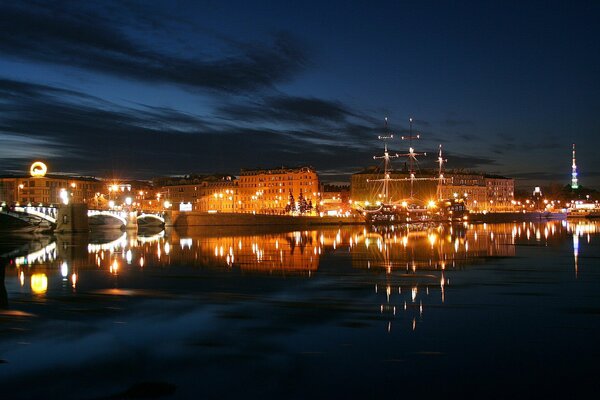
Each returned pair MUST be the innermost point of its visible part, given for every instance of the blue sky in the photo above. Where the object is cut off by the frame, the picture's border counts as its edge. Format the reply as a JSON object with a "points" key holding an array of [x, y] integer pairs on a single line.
{"points": [[140, 89]]}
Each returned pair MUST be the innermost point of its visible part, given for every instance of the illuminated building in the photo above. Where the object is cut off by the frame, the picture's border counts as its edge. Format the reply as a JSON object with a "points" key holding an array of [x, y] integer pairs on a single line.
{"points": [[140, 193], [335, 200], [268, 190], [40, 187], [203, 193], [483, 192]]}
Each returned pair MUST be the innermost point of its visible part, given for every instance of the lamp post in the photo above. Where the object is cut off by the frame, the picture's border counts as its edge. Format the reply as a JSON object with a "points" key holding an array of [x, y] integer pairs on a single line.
{"points": [[21, 186]]}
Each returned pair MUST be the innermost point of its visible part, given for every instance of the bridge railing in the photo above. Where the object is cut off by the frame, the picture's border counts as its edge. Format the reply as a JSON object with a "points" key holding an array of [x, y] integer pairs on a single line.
{"points": [[46, 213]]}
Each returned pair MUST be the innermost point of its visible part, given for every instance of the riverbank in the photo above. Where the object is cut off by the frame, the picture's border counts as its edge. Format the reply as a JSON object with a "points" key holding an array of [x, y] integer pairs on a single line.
{"points": [[185, 219], [515, 217]]}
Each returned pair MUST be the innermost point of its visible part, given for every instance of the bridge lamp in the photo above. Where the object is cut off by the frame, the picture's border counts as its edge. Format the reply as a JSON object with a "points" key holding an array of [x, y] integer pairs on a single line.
{"points": [[111, 204], [64, 196], [128, 201], [167, 204]]}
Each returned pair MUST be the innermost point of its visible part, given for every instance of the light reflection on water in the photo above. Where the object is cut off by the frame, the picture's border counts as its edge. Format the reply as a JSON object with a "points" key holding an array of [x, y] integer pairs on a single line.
{"points": [[390, 249], [384, 281]]}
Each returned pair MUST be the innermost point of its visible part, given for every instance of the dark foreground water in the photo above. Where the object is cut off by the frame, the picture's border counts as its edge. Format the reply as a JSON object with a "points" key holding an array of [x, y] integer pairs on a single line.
{"points": [[486, 311]]}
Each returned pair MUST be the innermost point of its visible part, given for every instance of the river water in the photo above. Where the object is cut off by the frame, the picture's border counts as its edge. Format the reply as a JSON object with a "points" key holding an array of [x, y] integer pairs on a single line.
{"points": [[473, 310]]}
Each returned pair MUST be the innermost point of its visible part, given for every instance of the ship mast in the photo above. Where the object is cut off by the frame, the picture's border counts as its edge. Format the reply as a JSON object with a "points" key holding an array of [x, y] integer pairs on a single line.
{"points": [[441, 161], [412, 157], [386, 162], [574, 184]]}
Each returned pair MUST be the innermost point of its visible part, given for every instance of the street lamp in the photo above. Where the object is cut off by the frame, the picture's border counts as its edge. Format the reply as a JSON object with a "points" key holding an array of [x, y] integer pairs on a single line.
{"points": [[21, 186]]}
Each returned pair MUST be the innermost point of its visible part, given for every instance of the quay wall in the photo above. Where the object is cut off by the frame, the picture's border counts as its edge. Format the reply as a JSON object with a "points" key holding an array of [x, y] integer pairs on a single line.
{"points": [[515, 217], [184, 219]]}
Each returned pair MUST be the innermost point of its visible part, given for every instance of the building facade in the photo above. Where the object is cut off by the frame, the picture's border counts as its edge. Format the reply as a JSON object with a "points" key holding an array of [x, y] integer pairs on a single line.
{"points": [[47, 189], [481, 191], [268, 190], [203, 194]]}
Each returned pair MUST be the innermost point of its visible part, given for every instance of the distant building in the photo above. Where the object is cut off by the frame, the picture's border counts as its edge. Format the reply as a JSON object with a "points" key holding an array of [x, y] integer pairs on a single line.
{"points": [[335, 200], [41, 188], [268, 190], [481, 191], [212, 193]]}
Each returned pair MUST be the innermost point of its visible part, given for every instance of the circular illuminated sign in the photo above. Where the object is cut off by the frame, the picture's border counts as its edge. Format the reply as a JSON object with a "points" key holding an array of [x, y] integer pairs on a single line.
{"points": [[38, 169]]}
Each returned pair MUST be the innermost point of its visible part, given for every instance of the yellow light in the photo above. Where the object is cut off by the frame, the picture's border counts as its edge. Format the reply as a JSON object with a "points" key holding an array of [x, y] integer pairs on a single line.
{"points": [[39, 283], [432, 239], [38, 169], [431, 204], [404, 204]]}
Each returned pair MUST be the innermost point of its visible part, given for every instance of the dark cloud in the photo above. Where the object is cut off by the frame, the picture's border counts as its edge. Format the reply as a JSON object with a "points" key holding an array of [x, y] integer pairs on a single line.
{"points": [[465, 161], [540, 176], [87, 135], [550, 176], [505, 144], [92, 136], [288, 109], [87, 39], [468, 136], [454, 123]]}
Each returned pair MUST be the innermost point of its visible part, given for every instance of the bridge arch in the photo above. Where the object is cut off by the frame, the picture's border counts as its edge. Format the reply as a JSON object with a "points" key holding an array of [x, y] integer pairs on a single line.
{"points": [[151, 216], [42, 217], [119, 215]]}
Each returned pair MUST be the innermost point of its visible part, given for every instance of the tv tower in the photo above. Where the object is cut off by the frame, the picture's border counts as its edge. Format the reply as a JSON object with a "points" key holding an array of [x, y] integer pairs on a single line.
{"points": [[574, 184]]}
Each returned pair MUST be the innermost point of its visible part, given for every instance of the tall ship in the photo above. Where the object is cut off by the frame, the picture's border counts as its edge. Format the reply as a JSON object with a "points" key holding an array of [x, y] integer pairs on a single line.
{"points": [[389, 210]]}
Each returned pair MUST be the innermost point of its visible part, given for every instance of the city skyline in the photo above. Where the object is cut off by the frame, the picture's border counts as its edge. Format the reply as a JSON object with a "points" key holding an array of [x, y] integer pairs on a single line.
{"points": [[135, 90]]}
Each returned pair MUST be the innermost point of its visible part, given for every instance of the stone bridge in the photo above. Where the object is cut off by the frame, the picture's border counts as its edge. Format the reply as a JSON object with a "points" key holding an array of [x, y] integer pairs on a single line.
{"points": [[76, 217]]}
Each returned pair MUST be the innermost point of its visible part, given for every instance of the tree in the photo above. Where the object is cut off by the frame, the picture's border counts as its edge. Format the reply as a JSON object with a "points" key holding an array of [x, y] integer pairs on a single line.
{"points": [[302, 205], [291, 206]]}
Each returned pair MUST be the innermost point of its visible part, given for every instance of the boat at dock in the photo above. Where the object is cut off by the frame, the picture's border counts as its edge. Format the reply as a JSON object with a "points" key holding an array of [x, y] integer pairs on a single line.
{"points": [[581, 209], [410, 210]]}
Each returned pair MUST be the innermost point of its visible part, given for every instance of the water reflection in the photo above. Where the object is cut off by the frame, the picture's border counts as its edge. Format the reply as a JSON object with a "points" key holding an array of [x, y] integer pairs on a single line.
{"points": [[407, 265], [408, 268], [370, 302]]}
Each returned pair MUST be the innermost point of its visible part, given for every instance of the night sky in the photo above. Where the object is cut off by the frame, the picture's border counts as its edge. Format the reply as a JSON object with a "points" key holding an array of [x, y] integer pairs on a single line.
{"points": [[139, 89]]}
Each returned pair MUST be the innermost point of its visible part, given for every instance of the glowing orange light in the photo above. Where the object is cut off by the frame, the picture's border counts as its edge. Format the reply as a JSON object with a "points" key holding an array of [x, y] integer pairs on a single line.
{"points": [[38, 169], [39, 283]]}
